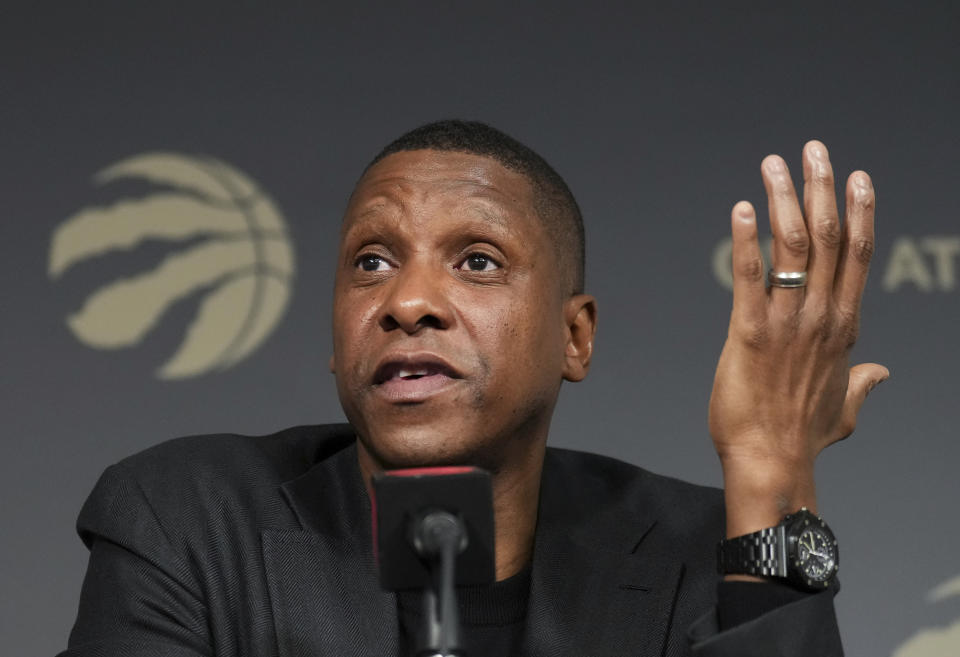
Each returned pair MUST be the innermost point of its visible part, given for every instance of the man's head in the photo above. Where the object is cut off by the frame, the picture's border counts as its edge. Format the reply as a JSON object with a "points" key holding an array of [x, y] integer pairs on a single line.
{"points": [[455, 312], [554, 202]]}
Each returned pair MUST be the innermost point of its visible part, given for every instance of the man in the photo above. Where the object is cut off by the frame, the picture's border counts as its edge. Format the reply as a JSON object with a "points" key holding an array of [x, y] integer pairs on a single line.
{"points": [[458, 312]]}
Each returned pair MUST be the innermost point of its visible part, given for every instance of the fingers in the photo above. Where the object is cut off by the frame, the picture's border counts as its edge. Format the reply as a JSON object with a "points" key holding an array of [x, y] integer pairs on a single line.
{"points": [[749, 290], [823, 224], [836, 259], [863, 379], [857, 246], [790, 241]]}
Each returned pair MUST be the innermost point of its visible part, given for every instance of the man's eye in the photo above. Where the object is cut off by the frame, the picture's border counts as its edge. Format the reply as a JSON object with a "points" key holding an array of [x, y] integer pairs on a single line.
{"points": [[371, 262], [479, 262]]}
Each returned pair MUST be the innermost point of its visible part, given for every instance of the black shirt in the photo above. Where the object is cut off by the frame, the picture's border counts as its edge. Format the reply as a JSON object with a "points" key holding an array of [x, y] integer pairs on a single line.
{"points": [[491, 617]]}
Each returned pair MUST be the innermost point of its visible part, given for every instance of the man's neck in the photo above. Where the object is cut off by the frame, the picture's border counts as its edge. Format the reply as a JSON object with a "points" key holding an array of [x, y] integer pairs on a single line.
{"points": [[516, 497]]}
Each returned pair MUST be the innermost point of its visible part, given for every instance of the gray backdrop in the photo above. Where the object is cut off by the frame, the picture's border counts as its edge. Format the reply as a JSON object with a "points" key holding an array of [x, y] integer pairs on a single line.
{"points": [[657, 116]]}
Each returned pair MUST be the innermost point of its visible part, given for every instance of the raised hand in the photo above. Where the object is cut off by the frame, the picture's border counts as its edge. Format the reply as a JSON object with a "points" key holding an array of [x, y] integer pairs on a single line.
{"points": [[784, 389]]}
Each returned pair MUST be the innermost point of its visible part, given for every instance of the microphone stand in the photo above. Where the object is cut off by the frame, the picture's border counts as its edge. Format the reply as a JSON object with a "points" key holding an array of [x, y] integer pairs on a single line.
{"points": [[438, 537]]}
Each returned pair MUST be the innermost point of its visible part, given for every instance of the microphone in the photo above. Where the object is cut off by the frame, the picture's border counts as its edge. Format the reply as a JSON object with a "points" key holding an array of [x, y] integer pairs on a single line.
{"points": [[433, 529]]}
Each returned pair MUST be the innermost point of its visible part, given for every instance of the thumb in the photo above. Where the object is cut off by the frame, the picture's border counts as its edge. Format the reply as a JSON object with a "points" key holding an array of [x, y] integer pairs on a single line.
{"points": [[863, 378]]}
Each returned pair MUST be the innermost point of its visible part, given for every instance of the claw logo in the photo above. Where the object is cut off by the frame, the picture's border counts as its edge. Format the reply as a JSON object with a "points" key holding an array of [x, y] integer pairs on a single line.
{"points": [[935, 641], [233, 248]]}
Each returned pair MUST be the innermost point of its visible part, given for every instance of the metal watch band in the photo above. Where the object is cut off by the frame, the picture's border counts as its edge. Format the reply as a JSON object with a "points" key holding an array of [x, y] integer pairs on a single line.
{"points": [[762, 553]]}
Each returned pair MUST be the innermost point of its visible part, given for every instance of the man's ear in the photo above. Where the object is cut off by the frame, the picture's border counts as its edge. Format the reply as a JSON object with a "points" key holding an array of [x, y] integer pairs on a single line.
{"points": [[580, 317]]}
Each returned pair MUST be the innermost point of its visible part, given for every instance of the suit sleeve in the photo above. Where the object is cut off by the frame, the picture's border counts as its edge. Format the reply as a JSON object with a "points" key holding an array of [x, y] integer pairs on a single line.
{"points": [[798, 629], [140, 597]]}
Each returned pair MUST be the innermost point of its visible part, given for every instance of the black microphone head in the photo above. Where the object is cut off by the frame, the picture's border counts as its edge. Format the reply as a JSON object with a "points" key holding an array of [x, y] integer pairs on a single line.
{"points": [[413, 510], [432, 530]]}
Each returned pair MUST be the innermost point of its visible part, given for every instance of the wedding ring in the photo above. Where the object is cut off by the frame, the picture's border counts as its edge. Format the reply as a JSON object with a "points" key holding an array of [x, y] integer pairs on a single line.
{"points": [[787, 278]]}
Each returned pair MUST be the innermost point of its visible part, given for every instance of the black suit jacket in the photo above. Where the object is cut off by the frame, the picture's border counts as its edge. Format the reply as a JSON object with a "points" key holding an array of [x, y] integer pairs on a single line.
{"points": [[258, 546]]}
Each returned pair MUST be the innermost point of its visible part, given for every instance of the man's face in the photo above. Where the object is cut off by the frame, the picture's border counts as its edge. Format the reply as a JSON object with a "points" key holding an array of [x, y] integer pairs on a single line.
{"points": [[449, 321]]}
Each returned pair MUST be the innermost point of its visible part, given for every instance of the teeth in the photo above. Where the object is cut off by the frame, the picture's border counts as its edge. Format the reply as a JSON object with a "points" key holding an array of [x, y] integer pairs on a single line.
{"points": [[403, 374]]}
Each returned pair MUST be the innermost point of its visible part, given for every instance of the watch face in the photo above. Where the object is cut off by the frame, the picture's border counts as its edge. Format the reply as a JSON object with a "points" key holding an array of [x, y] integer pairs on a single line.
{"points": [[816, 555]]}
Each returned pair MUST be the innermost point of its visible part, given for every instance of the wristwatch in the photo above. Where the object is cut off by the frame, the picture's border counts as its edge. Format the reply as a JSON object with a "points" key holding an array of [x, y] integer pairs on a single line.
{"points": [[801, 550]]}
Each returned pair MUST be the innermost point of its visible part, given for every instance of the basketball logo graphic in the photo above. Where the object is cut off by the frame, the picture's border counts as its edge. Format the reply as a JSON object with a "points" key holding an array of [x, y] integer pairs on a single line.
{"points": [[233, 250], [935, 641]]}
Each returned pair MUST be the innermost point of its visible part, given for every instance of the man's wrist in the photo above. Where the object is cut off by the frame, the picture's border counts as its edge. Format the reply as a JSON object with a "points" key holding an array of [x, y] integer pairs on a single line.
{"points": [[759, 493]]}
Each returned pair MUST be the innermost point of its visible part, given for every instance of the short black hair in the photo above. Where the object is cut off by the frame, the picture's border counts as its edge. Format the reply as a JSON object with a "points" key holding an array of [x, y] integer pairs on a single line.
{"points": [[554, 202]]}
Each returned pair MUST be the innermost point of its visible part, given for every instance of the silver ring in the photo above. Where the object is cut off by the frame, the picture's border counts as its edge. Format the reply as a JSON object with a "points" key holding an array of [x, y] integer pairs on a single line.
{"points": [[787, 278]]}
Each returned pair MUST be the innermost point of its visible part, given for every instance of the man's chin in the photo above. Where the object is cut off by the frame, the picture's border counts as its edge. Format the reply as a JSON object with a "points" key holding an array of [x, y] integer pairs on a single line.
{"points": [[423, 449]]}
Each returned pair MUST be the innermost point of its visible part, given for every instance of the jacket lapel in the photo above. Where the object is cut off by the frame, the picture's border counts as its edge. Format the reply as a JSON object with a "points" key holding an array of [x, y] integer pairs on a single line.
{"points": [[602, 585], [324, 591]]}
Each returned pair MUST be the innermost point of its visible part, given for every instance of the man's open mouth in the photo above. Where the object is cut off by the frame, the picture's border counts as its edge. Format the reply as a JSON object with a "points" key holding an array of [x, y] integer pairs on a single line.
{"points": [[414, 379], [410, 371]]}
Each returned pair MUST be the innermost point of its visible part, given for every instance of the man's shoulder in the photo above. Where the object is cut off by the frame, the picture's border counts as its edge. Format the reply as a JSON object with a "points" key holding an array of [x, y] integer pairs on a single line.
{"points": [[255, 459], [608, 472], [188, 483], [589, 482]]}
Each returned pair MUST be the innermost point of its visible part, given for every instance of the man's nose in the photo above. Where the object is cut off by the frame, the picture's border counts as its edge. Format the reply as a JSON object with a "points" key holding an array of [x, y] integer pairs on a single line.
{"points": [[417, 299]]}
